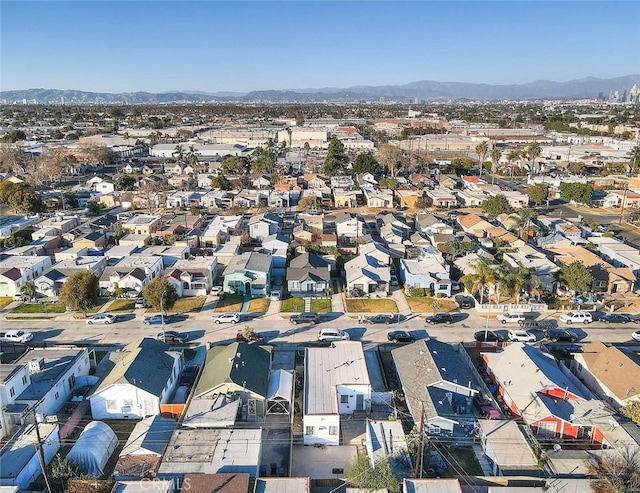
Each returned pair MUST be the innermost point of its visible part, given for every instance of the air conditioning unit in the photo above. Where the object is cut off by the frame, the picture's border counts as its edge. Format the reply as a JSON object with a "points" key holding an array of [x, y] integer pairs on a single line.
{"points": [[251, 403], [35, 365]]}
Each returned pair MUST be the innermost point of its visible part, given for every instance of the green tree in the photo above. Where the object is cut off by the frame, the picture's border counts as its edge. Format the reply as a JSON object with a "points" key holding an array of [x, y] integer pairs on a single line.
{"points": [[125, 183], [192, 156], [236, 165], [263, 160], [80, 291], [70, 199], [538, 193], [336, 161], [632, 411], [534, 150], [578, 168], [159, 289], [512, 157], [178, 153], [24, 199], [14, 136], [575, 276], [455, 249], [94, 207], [481, 150], [366, 163], [310, 203], [634, 160], [523, 222], [578, 192], [221, 182], [7, 189], [496, 205], [480, 281], [389, 183], [28, 289], [496, 154], [380, 476]]}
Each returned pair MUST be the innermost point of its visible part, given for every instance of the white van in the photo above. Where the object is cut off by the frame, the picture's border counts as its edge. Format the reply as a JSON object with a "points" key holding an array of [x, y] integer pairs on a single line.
{"points": [[331, 335]]}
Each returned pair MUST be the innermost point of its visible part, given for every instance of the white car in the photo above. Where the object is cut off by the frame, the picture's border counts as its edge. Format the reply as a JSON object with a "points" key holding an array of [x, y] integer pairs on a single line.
{"points": [[521, 336], [17, 336], [510, 317], [275, 294], [331, 335], [636, 335], [229, 317], [215, 291], [19, 297], [102, 318], [576, 317], [140, 303]]}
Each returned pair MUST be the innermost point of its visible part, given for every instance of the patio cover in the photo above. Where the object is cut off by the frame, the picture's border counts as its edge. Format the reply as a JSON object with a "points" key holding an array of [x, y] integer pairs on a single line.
{"points": [[280, 392]]}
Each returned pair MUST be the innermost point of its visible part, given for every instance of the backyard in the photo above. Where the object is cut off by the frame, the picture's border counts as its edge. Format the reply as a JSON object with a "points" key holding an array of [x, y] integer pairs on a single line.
{"points": [[371, 306]]}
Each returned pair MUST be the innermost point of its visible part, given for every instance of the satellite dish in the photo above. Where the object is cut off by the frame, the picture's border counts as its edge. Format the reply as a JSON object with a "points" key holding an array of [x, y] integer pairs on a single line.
{"points": [[572, 417], [557, 447]]}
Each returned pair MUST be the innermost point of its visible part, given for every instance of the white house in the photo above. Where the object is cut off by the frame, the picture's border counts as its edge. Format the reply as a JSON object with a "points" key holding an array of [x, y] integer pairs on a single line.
{"points": [[263, 225], [15, 271], [132, 273], [192, 277], [15, 378], [348, 227], [336, 383], [104, 187], [367, 273], [143, 375]]}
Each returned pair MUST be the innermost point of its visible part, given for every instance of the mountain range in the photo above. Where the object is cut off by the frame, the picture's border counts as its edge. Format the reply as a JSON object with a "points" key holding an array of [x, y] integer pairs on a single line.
{"points": [[425, 90]]}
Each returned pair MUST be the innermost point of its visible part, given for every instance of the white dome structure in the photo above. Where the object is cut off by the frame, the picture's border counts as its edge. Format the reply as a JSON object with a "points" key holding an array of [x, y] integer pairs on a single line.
{"points": [[93, 448]]}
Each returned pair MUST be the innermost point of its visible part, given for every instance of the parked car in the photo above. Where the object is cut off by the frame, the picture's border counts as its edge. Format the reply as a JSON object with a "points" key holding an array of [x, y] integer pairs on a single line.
{"points": [[560, 335], [17, 336], [228, 317], [216, 290], [255, 337], [189, 375], [576, 317], [171, 337], [440, 318], [400, 336], [636, 335], [381, 319], [140, 303], [102, 318], [276, 294], [520, 336], [535, 324], [393, 280], [156, 320], [487, 336], [616, 318], [332, 335], [19, 297], [305, 317], [464, 302], [510, 317]]}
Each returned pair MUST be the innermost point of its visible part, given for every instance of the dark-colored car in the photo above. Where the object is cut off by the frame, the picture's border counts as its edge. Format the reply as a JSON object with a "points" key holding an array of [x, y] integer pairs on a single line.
{"points": [[487, 336], [381, 319], [254, 337], [464, 302], [189, 375], [156, 320], [560, 335], [616, 318], [400, 336], [305, 317], [440, 318], [171, 337]]}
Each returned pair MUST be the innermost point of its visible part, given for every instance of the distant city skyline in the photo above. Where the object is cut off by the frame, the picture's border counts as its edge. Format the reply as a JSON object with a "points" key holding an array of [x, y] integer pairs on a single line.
{"points": [[122, 46]]}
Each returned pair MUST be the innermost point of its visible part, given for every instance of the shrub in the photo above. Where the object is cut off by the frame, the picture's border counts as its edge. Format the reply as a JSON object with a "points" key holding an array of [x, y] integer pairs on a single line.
{"points": [[417, 292], [439, 295]]}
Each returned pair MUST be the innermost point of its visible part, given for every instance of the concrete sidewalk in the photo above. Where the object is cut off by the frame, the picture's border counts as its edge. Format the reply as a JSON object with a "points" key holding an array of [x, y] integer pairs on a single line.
{"points": [[401, 301]]}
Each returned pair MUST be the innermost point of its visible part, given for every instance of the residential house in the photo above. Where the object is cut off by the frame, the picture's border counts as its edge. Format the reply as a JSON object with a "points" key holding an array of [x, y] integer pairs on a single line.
{"points": [[308, 275], [408, 198], [263, 225], [193, 277], [505, 237], [382, 199], [260, 181], [280, 198], [277, 485], [430, 271], [233, 386], [15, 271], [506, 448], [531, 258], [277, 246], [610, 372], [473, 224], [251, 198], [315, 181], [49, 283], [344, 198], [606, 278], [248, 274], [104, 187], [93, 240], [471, 198], [438, 380], [367, 273], [61, 223], [220, 229], [349, 228], [442, 198], [542, 394], [508, 221], [385, 440], [619, 198], [336, 383], [143, 224], [343, 181], [516, 199], [132, 273], [312, 222], [14, 379], [618, 253], [169, 254], [139, 378]]}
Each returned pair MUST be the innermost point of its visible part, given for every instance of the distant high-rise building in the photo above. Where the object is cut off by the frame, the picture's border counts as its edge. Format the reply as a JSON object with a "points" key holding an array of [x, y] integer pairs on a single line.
{"points": [[624, 96], [601, 96], [634, 94]]}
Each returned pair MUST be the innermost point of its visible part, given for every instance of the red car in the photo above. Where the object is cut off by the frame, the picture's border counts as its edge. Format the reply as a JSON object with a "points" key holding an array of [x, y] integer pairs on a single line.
{"points": [[254, 338]]}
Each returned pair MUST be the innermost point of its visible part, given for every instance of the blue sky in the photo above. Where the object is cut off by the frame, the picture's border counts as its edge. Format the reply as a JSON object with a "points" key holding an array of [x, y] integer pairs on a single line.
{"points": [[240, 46]]}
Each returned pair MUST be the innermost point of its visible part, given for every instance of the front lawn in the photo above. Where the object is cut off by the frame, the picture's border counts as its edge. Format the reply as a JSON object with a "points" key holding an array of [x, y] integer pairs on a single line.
{"points": [[188, 305], [258, 305], [122, 306], [292, 305], [321, 305], [4, 301], [40, 308], [230, 303], [99, 305], [430, 305], [371, 306]]}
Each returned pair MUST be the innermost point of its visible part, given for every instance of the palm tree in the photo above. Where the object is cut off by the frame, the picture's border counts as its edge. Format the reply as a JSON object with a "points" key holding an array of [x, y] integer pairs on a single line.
{"points": [[496, 154], [483, 277], [511, 157], [533, 151], [481, 150], [178, 153], [192, 156], [521, 278], [634, 158], [523, 223]]}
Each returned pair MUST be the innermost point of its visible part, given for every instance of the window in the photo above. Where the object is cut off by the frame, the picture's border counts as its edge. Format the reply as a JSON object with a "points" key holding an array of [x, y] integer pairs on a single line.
{"points": [[127, 402], [333, 430], [12, 392], [344, 399], [309, 430], [111, 405], [56, 396], [24, 380], [442, 287]]}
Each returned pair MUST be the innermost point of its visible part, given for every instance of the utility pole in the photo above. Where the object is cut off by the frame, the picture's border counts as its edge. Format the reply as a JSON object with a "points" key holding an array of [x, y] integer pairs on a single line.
{"points": [[418, 471], [624, 199], [38, 444]]}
